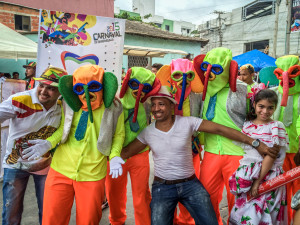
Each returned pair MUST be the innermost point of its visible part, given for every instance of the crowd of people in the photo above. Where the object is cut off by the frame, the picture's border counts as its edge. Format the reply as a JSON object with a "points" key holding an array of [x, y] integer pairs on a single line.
{"points": [[29, 74], [81, 135]]}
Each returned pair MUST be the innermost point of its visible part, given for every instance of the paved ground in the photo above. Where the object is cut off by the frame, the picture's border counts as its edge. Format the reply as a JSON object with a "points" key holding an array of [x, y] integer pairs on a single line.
{"points": [[30, 215]]}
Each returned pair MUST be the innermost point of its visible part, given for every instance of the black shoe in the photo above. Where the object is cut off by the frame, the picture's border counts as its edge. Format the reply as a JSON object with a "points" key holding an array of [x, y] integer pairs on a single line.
{"points": [[105, 205]]}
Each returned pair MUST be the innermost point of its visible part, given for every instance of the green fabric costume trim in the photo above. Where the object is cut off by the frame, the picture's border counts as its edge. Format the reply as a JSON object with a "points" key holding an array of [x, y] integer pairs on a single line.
{"points": [[88, 102], [142, 75], [284, 63], [110, 88], [222, 57], [65, 88], [128, 101]]}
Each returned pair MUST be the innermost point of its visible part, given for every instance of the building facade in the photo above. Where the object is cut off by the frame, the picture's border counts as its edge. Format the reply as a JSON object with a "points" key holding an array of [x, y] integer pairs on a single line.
{"points": [[145, 8], [23, 17], [251, 27]]}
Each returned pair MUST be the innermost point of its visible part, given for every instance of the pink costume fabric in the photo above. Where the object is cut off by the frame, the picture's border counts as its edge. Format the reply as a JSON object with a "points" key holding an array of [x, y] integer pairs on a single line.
{"points": [[183, 65]]}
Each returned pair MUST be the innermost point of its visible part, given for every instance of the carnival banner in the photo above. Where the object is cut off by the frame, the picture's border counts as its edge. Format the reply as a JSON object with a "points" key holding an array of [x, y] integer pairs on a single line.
{"points": [[8, 87], [70, 40], [295, 20]]}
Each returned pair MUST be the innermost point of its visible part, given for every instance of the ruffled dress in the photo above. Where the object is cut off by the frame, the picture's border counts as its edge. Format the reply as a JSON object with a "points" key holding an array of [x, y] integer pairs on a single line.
{"points": [[270, 208]]}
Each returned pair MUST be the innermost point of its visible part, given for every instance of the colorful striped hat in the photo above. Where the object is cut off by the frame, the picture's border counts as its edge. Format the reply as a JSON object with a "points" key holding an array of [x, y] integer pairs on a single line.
{"points": [[31, 64], [51, 76]]}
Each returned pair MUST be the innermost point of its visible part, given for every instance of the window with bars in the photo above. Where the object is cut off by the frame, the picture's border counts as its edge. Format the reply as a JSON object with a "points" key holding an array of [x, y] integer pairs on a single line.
{"points": [[22, 22], [259, 45], [140, 61]]}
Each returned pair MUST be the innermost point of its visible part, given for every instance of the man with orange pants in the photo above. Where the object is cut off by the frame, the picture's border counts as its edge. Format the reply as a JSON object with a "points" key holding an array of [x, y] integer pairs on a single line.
{"points": [[288, 74], [92, 128], [138, 84], [224, 103]]}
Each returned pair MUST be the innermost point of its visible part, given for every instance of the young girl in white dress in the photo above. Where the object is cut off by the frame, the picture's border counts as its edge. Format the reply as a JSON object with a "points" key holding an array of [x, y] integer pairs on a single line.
{"points": [[254, 169]]}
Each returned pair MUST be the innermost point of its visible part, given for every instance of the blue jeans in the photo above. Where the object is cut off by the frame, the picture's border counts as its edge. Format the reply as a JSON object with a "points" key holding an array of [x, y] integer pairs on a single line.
{"points": [[191, 194], [14, 187]]}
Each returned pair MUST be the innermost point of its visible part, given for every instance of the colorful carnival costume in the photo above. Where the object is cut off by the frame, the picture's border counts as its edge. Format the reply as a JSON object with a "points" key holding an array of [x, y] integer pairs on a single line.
{"points": [[29, 120], [186, 88], [92, 129], [224, 103], [138, 84], [270, 208], [288, 74]]}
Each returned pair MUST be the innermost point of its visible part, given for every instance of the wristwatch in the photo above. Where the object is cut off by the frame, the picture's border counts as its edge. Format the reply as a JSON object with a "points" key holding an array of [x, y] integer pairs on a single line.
{"points": [[255, 143]]}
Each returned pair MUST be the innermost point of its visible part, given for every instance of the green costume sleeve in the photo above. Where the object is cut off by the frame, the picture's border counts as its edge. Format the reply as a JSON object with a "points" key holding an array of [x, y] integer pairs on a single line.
{"points": [[55, 138], [298, 126], [118, 139]]}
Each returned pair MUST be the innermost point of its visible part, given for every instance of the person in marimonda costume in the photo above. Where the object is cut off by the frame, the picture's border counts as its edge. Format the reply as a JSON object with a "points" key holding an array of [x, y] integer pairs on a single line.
{"points": [[186, 87], [225, 103], [139, 83], [91, 129], [288, 74]]}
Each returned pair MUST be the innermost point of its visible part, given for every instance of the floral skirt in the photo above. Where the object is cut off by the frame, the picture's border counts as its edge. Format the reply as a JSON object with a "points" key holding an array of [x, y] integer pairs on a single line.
{"points": [[267, 209]]}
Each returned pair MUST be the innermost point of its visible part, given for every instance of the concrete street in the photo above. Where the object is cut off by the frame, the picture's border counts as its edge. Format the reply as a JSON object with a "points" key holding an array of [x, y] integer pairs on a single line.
{"points": [[30, 214]]}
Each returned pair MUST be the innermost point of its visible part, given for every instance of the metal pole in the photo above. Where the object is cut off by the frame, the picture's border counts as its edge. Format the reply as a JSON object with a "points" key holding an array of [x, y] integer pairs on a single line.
{"points": [[276, 27], [288, 27]]}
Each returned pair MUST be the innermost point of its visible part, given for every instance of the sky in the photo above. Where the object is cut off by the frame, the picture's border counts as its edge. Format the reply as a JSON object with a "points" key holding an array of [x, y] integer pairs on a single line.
{"points": [[194, 11]]}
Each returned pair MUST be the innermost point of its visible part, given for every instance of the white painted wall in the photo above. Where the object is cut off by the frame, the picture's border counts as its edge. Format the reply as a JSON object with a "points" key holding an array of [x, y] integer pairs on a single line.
{"points": [[155, 19], [180, 27], [143, 7], [237, 32]]}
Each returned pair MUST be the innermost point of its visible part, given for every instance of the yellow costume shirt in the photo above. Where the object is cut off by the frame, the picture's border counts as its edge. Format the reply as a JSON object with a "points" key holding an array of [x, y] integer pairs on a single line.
{"points": [[81, 160]]}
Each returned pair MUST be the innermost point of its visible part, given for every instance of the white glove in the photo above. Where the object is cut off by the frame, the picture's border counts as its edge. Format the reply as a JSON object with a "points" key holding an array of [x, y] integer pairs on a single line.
{"points": [[115, 166], [39, 148]]}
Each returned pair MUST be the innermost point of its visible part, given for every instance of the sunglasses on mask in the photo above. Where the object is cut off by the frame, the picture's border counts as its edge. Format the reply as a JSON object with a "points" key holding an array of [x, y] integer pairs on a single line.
{"points": [[93, 86], [178, 75], [215, 68], [293, 71], [134, 85]]}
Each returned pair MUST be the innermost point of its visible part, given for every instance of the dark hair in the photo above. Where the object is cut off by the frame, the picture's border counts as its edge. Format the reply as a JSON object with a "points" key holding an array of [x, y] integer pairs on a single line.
{"points": [[7, 75], [188, 56], [268, 94], [157, 65], [16, 73], [248, 67]]}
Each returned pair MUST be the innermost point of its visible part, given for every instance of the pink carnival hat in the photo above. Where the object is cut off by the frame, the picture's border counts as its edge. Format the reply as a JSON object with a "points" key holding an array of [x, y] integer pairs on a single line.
{"points": [[164, 93]]}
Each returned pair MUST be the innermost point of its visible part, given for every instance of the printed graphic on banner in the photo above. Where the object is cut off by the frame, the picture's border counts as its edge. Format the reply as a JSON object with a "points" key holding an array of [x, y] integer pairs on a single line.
{"points": [[66, 28], [9, 87], [93, 59], [295, 23], [70, 40]]}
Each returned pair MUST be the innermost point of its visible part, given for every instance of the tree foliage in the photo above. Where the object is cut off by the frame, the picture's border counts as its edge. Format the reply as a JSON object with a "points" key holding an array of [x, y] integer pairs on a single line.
{"points": [[127, 16]]}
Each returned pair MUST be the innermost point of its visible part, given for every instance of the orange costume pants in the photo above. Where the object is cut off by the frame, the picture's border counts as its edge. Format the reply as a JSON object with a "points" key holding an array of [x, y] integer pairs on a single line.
{"points": [[184, 217], [292, 187], [59, 197], [214, 174], [116, 191]]}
